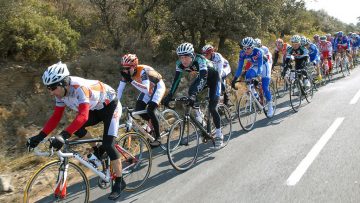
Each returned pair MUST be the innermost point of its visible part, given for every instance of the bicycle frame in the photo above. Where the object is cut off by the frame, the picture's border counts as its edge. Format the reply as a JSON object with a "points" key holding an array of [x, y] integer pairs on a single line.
{"points": [[250, 85]]}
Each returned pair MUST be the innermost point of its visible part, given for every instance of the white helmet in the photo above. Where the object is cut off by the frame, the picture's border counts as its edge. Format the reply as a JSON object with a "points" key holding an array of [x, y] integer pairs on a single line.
{"points": [[55, 73], [185, 49], [257, 42]]}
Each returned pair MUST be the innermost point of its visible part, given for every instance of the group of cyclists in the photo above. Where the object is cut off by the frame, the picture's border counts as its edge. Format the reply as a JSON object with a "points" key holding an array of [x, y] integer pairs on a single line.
{"points": [[95, 101]]}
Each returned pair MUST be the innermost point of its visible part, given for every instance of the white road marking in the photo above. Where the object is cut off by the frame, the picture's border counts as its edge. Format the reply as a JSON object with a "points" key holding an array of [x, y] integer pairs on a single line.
{"points": [[310, 157], [355, 98]]}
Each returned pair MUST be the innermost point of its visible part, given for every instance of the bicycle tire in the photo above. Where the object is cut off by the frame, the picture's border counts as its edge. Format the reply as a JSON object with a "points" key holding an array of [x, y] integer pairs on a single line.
{"points": [[46, 191], [135, 173], [308, 92], [247, 111], [274, 101], [170, 117], [281, 87], [183, 143], [226, 123], [295, 95]]}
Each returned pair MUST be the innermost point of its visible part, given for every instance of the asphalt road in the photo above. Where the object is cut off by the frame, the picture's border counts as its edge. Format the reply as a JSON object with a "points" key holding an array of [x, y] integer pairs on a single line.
{"points": [[309, 156]]}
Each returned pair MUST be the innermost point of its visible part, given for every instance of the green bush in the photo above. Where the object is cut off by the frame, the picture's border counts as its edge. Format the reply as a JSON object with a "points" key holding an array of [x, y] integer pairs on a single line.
{"points": [[32, 35]]}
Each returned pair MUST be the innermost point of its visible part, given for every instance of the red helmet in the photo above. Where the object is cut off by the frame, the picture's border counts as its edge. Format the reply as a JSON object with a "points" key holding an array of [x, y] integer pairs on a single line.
{"points": [[207, 49], [129, 60]]}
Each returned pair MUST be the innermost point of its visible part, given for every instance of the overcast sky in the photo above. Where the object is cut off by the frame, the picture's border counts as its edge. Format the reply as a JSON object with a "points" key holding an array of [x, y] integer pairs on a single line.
{"points": [[344, 10]]}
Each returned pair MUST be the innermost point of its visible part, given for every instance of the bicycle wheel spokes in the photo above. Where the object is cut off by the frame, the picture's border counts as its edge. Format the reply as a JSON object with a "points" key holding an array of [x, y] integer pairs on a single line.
{"points": [[226, 123], [168, 118], [43, 186], [246, 112], [295, 95], [309, 92], [136, 160], [281, 87], [183, 145]]}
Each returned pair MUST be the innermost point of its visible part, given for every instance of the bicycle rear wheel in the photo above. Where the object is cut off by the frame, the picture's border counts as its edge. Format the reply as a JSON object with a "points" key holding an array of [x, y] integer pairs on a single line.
{"points": [[183, 145], [43, 186], [282, 87], [295, 95], [246, 112], [166, 120], [136, 160]]}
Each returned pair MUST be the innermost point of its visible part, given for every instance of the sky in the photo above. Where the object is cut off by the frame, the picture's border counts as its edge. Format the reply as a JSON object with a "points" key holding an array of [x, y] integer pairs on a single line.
{"points": [[346, 11]]}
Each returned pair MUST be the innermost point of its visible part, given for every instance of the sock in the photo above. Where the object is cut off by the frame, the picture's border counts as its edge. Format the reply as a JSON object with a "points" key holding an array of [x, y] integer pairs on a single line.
{"points": [[218, 133]]}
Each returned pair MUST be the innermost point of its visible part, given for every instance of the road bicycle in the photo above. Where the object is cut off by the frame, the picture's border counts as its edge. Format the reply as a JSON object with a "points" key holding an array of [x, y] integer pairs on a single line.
{"points": [[184, 138], [299, 90], [252, 103], [64, 181]]}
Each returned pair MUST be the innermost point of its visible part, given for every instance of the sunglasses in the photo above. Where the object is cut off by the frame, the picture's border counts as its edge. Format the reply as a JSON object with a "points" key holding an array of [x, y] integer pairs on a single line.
{"points": [[52, 87], [247, 48]]}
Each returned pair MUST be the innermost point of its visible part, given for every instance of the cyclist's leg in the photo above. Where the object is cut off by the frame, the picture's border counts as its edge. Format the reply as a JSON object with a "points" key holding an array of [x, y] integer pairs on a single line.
{"points": [[141, 103], [214, 95], [93, 119], [111, 115], [156, 97]]}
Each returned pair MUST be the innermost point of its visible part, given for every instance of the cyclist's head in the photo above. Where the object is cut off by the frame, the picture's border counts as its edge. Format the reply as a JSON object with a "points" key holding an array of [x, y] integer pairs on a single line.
{"points": [[129, 61], [328, 35], [296, 39], [354, 35], [279, 43], [257, 42], [185, 51], [340, 34], [316, 37], [303, 41], [323, 38], [248, 44], [207, 50], [56, 75]]}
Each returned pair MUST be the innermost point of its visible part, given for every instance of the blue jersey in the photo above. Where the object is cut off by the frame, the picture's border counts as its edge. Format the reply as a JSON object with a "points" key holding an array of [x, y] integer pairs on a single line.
{"points": [[344, 41], [356, 41], [256, 58], [313, 52]]}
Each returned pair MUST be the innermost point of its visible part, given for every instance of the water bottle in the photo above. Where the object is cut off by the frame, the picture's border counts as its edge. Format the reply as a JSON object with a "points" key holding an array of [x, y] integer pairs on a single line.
{"points": [[94, 160]]}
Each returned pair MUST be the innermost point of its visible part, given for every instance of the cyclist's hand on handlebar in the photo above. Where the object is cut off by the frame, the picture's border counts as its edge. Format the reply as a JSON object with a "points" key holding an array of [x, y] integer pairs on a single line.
{"points": [[167, 100], [58, 141], [33, 141]]}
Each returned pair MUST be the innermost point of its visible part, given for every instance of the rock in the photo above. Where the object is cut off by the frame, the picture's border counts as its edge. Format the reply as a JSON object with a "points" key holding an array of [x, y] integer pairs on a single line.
{"points": [[5, 184]]}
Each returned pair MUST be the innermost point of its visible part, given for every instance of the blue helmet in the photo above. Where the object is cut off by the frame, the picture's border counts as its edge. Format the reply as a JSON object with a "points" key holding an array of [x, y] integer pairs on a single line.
{"points": [[340, 34], [248, 42]]}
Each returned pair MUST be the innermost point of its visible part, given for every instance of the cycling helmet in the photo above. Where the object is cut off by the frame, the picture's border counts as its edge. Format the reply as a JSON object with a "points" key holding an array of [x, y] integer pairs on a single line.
{"points": [[316, 37], [279, 42], [295, 39], [248, 42], [328, 35], [129, 60], [303, 40], [323, 38], [340, 34], [207, 49], [354, 35], [55, 74], [257, 42], [185, 49]]}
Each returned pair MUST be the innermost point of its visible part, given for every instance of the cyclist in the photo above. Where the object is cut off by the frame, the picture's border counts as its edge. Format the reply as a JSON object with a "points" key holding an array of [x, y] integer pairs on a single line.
{"points": [[258, 62], [355, 40], [281, 47], [265, 50], [342, 43], [149, 82], [221, 64], [207, 75], [316, 40], [300, 54], [95, 102], [314, 55], [326, 51]]}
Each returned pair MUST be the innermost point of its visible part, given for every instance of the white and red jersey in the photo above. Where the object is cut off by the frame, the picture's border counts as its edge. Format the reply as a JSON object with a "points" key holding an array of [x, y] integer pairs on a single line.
{"points": [[325, 49], [93, 92]]}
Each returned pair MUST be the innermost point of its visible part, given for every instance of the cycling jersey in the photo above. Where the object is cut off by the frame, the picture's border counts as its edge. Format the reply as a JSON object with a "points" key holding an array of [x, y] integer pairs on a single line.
{"points": [[282, 51], [299, 53], [341, 43], [94, 92], [148, 81], [256, 58], [325, 48], [200, 65], [221, 64], [314, 54], [267, 54]]}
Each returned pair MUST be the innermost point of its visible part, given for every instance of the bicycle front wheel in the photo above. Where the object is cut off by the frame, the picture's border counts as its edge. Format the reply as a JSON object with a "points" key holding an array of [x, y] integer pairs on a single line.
{"points": [[73, 186], [246, 109], [226, 123], [295, 95], [136, 160], [183, 145], [167, 119]]}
